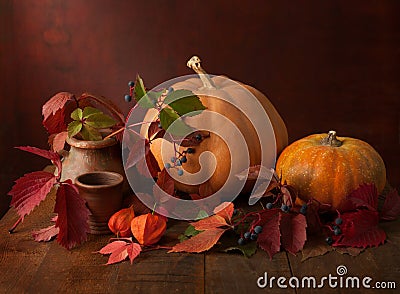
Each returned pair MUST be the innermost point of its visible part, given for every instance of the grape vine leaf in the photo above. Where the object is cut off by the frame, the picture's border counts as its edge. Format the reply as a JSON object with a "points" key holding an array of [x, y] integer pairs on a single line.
{"points": [[200, 242], [293, 232], [269, 239], [391, 206], [57, 141], [46, 234], [72, 216], [54, 112], [53, 156], [120, 250], [169, 116], [184, 102], [30, 190], [365, 196], [360, 229], [56, 103]]}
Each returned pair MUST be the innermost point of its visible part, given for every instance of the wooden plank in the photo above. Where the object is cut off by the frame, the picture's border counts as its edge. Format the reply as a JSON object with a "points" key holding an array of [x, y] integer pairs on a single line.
{"points": [[233, 273]]}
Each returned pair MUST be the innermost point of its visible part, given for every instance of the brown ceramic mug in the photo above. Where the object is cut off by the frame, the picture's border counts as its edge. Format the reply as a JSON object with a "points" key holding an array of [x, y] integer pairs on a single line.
{"points": [[102, 191]]}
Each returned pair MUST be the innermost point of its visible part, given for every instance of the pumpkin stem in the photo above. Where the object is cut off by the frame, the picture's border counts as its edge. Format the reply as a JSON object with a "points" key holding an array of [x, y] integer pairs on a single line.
{"points": [[194, 63], [331, 140]]}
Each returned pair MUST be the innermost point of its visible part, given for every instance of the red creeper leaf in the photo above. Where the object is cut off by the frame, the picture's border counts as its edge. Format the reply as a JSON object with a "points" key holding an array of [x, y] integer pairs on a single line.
{"points": [[136, 153], [199, 243], [360, 229], [45, 234], [72, 216], [56, 103], [269, 238], [365, 196], [120, 250], [391, 207], [30, 190], [225, 210], [166, 182], [293, 231], [53, 156], [208, 223]]}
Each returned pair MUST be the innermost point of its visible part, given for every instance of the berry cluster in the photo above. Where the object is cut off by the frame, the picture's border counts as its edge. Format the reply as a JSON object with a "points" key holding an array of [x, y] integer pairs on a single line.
{"points": [[128, 97], [250, 235], [335, 229], [177, 161]]}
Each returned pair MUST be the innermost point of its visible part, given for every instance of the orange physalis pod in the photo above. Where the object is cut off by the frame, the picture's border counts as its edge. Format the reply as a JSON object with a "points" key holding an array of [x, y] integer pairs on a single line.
{"points": [[148, 228], [120, 222]]}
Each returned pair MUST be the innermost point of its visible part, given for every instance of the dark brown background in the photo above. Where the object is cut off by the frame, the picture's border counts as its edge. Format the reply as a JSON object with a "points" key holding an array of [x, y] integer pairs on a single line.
{"points": [[324, 64]]}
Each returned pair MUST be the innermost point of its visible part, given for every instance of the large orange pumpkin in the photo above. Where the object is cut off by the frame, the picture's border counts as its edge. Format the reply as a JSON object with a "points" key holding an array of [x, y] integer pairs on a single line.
{"points": [[207, 89], [327, 168]]}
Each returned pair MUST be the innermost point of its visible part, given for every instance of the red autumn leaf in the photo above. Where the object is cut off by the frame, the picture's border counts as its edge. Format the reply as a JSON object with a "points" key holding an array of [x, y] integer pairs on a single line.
{"points": [[154, 131], [208, 223], [72, 215], [53, 156], [365, 196], [56, 103], [269, 239], [166, 182], [360, 229], [57, 141], [45, 234], [225, 210], [314, 224], [148, 166], [205, 190], [293, 232], [193, 139], [136, 153], [199, 243], [391, 206], [56, 123], [30, 190], [120, 250]]}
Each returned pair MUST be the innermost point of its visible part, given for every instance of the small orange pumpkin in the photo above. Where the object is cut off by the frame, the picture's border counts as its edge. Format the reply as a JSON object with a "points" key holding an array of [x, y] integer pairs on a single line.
{"points": [[328, 168], [209, 89]]}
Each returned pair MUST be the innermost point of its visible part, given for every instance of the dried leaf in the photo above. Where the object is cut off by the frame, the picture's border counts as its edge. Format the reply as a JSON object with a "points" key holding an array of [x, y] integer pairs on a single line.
{"points": [[349, 250], [269, 238], [46, 234], [315, 247], [360, 229], [293, 232], [391, 206], [199, 243], [30, 190], [72, 216]]}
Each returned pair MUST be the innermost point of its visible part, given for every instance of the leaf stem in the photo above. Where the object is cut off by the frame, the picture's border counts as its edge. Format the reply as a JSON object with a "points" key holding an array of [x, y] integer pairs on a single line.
{"points": [[114, 133], [15, 225]]}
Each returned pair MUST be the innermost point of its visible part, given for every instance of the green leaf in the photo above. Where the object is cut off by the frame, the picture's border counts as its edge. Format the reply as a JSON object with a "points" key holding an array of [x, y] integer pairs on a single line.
{"points": [[202, 214], [247, 249], [88, 111], [189, 232], [139, 89], [184, 102], [90, 134], [77, 114], [167, 117], [99, 121], [74, 128]]}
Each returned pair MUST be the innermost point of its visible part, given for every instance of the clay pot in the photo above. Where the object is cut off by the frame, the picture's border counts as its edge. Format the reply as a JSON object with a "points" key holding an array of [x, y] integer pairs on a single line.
{"points": [[89, 156], [103, 194]]}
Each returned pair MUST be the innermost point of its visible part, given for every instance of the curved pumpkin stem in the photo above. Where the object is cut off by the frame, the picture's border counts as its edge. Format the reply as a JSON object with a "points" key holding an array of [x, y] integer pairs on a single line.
{"points": [[194, 63], [331, 140]]}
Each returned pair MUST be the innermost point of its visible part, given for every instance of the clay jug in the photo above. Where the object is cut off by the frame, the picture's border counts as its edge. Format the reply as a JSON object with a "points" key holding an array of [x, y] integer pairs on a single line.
{"points": [[89, 156]]}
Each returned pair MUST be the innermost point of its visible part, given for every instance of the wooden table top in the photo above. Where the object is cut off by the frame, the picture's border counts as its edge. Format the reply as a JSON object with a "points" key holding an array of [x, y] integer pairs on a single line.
{"points": [[27, 266]]}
